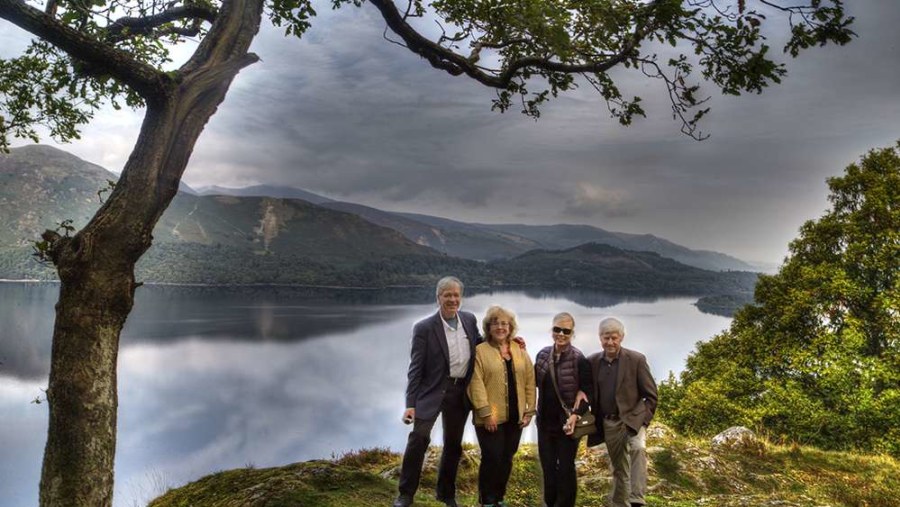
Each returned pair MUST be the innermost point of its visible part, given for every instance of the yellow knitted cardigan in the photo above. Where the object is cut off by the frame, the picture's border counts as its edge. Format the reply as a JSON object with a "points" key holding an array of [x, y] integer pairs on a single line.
{"points": [[488, 389]]}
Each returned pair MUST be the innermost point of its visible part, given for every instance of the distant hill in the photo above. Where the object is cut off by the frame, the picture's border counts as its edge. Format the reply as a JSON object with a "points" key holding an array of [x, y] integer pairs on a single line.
{"points": [[452, 238], [607, 268], [488, 242], [566, 236], [183, 187], [41, 186], [272, 226], [265, 191], [519, 238], [446, 236], [199, 239], [230, 239]]}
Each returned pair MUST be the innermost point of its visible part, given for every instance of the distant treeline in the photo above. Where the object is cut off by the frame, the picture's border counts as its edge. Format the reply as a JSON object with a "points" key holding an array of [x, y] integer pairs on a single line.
{"points": [[594, 267], [724, 304]]}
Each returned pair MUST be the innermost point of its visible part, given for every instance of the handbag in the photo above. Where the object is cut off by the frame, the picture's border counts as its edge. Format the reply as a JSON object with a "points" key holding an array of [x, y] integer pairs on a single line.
{"points": [[584, 425]]}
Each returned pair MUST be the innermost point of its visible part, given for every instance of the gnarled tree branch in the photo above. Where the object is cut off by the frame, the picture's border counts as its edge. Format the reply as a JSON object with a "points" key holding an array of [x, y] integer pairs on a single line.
{"points": [[128, 26], [228, 37], [100, 57], [455, 64]]}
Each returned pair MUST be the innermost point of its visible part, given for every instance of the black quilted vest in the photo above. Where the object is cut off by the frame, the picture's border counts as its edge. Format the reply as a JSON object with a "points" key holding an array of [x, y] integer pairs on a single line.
{"points": [[566, 373]]}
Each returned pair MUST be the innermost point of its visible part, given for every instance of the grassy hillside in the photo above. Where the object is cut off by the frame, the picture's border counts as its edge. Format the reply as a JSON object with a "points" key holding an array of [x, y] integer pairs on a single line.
{"points": [[684, 472], [41, 186], [453, 238], [280, 227]]}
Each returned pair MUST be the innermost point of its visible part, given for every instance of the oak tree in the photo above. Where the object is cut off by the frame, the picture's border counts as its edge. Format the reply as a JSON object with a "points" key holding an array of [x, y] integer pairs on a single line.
{"points": [[816, 358], [87, 52]]}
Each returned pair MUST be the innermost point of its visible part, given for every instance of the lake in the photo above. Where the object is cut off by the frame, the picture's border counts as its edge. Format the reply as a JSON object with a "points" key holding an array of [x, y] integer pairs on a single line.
{"points": [[215, 378]]}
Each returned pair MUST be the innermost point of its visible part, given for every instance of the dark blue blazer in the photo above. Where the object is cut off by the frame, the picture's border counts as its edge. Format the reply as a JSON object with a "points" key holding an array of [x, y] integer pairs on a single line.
{"points": [[429, 363]]}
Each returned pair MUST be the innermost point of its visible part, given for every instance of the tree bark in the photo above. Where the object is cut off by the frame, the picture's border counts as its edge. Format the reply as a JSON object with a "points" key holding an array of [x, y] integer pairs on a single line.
{"points": [[81, 442], [96, 266]]}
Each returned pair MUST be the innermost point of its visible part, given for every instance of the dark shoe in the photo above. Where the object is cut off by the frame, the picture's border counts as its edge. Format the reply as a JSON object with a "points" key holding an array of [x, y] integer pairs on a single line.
{"points": [[403, 501]]}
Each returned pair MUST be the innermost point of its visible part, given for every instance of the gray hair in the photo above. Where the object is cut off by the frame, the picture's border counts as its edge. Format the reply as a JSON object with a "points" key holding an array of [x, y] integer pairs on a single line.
{"points": [[446, 282], [564, 315], [613, 324]]}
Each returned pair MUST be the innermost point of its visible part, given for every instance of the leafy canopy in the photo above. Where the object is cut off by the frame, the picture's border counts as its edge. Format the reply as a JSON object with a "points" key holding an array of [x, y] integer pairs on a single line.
{"points": [[87, 52], [816, 359]]}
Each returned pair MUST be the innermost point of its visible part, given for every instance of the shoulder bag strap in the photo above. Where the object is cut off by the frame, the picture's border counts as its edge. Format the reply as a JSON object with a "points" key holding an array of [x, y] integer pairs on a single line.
{"points": [[556, 386]]}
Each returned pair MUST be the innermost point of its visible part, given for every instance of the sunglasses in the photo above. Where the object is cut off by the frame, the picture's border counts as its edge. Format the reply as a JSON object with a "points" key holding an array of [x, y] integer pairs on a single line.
{"points": [[557, 329]]}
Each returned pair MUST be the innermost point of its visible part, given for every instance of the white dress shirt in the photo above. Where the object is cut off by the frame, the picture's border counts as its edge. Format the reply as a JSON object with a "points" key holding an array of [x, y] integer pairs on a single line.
{"points": [[458, 347]]}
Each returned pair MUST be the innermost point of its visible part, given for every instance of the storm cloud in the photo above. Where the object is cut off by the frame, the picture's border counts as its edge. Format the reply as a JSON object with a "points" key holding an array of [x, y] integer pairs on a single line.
{"points": [[345, 113]]}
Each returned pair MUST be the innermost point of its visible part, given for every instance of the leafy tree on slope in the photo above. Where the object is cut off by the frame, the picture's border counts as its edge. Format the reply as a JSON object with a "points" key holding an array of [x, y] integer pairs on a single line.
{"points": [[816, 358]]}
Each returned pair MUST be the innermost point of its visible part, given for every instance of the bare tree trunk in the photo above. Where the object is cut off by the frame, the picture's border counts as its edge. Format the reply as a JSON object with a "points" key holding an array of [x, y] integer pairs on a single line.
{"points": [[96, 266], [78, 462]]}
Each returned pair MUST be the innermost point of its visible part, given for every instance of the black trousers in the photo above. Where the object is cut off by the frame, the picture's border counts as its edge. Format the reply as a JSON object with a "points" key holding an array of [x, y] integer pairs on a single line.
{"points": [[454, 413], [497, 451], [557, 453]]}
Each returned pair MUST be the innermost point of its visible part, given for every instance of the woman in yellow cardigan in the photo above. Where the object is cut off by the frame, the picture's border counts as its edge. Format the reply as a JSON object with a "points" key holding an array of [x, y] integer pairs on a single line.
{"points": [[502, 392]]}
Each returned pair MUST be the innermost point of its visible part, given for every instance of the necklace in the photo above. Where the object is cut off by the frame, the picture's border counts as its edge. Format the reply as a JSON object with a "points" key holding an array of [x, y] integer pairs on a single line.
{"points": [[504, 351]]}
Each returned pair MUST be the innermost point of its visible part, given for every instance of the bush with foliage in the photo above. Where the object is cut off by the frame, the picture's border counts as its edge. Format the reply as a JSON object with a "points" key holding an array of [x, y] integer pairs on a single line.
{"points": [[816, 357]]}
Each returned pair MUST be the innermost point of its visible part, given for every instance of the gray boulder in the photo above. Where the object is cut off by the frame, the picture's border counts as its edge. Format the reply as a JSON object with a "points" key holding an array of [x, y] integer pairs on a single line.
{"points": [[738, 438]]}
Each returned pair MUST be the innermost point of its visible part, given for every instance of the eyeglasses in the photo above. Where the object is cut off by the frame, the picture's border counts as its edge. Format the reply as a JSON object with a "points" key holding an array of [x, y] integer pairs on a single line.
{"points": [[557, 329]]}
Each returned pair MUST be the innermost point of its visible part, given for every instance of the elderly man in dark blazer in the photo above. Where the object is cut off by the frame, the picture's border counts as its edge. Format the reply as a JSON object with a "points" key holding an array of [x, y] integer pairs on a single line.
{"points": [[624, 402], [440, 366]]}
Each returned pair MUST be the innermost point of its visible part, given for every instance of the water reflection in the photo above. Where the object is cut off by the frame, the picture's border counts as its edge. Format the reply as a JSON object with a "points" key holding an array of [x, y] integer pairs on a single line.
{"points": [[27, 316], [257, 314], [211, 379], [585, 298], [253, 313]]}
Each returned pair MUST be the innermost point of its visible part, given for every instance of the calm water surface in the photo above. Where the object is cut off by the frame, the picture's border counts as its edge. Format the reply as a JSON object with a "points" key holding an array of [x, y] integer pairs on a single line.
{"points": [[213, 379]]}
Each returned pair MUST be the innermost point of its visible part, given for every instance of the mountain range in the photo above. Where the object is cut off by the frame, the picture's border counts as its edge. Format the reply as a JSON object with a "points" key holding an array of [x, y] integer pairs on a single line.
{"points": [[488, 242], [269, 234]]}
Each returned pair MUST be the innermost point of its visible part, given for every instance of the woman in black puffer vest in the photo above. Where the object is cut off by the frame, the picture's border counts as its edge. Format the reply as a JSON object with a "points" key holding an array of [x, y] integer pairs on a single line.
{"points": [[556, 448]]}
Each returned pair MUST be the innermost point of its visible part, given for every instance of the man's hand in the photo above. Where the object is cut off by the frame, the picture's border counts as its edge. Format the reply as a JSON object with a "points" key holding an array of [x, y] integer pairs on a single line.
{"points": [[409, 416], [520, 341], [491, 423], [526, 420]]}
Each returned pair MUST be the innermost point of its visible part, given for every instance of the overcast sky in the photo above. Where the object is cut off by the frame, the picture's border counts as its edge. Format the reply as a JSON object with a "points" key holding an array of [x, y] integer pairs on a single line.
{"points": [[348, 115]]}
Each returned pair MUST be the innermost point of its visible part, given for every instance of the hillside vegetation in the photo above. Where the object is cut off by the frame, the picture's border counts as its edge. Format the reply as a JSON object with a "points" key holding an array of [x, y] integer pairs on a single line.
{"points": [[277, 239], [683, 472], [816, 357]]}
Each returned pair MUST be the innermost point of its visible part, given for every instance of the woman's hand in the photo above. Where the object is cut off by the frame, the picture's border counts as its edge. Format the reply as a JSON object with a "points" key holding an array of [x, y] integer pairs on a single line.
{"points": [[526, 420], [569, 427], [491, 423], [579, 398]]}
